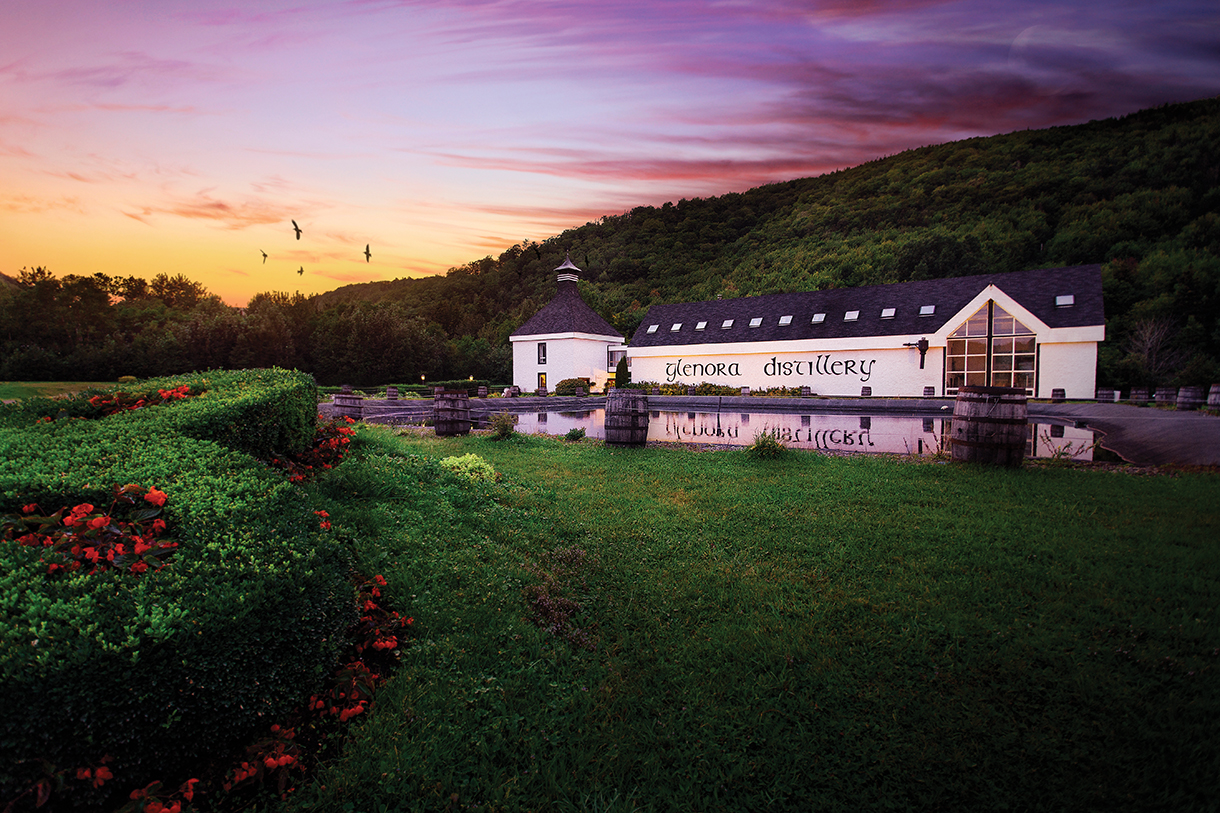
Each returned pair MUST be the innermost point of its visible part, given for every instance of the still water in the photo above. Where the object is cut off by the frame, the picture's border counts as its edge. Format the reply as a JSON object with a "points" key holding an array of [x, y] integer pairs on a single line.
{"points": [[844, 433]]}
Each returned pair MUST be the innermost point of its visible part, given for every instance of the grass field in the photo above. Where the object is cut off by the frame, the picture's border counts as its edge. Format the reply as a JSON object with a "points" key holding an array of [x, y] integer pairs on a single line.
{"points": [[661, 629], [10, 390]]}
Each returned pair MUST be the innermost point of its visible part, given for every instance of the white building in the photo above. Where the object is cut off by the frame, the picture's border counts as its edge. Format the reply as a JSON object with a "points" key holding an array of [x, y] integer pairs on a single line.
{"points": [[565, 339], [1037, 330]]}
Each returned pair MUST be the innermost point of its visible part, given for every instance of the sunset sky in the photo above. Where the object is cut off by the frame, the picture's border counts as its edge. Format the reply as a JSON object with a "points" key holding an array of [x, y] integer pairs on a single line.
{"points": [[149, 136]]}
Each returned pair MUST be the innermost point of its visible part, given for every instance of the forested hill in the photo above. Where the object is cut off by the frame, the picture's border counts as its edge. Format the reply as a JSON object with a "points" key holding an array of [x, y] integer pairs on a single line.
{"points": [[1139, 193]]}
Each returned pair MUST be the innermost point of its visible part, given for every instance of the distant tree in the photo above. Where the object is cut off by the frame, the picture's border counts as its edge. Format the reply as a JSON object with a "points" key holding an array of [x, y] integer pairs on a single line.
{"points": [[1152, 350], [177, 292]]}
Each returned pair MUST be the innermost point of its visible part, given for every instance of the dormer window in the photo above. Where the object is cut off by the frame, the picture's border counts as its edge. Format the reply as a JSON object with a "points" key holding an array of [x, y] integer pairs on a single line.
{"points": [[653, 328], [927, 310], [784, 321], [818, 318], [676, 327], [756, 321], [1065, 301], [726, 324], [701, 326], [851, 316], [887, 313]]}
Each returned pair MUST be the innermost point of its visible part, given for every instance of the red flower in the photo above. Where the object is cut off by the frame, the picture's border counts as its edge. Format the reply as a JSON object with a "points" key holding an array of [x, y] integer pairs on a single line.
{"points": [[188, 789], [99, 522], [101, 775], [155, 497], [29, 509]]}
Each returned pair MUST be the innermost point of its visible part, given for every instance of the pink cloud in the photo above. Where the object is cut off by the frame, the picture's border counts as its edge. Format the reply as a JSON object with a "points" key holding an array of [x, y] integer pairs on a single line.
{"points": [[234, 216]]}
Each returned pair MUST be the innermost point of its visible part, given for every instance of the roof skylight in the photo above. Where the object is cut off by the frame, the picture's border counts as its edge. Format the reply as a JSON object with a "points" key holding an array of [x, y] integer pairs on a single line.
{"points": [[851, 316], [701, 326], [653, 328], [818, 318], [756, 321], [927, 310], [1065, 301], [785, 320], [726, 324], [887, 313], [677, 326]]}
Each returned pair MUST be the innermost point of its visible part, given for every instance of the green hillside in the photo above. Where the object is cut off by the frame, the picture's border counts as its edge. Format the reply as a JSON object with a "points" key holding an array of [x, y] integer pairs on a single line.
{"points": [[1140, 194]]}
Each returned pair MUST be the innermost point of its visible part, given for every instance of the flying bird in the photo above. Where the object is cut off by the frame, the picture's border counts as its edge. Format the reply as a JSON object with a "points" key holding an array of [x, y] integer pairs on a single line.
{"points": [[367, 256], [297, 229], [264, 256], [301, 271]]}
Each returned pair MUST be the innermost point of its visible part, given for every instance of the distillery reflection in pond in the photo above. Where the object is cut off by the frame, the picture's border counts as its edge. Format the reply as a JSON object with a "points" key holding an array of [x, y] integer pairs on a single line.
{"points": [[844, 433]]}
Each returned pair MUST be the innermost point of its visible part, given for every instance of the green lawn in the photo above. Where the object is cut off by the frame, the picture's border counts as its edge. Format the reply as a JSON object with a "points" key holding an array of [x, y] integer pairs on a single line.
{"points": [[664, 629], [10, 390]]}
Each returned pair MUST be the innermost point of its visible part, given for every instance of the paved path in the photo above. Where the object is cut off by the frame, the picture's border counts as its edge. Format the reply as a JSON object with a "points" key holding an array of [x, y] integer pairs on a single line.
{"points": [[1146, 436]]}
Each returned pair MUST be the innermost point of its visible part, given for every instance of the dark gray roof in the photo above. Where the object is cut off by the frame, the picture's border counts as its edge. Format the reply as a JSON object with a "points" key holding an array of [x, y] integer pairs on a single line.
{"points": [[566, 313], [1035, 290]]}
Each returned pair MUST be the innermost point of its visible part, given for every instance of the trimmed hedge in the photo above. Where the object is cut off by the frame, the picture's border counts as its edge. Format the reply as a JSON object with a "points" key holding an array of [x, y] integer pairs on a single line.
{"points": [[161, 669]]}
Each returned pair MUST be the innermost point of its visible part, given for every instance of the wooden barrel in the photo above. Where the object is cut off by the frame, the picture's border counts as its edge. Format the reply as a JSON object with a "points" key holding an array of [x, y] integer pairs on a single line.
{"points": [[1190, 398], [929, 392], [391, 393], [806, 392], [626, 420], [1139, 395], [451, 413], [1058, 395], [1213, 396], [482, 392], [1166, 396], [866, 392], [1105, 395], [990, 425]]}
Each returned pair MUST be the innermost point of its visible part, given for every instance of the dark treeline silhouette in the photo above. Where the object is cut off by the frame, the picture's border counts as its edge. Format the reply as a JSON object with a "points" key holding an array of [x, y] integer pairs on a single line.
{"points": [[98, 328], [1140, 194]]}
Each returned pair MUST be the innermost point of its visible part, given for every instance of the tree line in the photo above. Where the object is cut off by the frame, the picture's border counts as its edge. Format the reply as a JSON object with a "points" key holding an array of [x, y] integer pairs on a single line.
{"points": [[1139, 194], [97, 328]]}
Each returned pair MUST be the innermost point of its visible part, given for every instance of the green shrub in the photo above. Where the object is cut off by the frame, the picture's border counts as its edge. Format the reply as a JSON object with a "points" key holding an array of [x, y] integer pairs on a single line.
{"points": [[503, 425], [470, 467], [159, 669], [570, 386], [574, 434], [622, 377], [766, 445]]}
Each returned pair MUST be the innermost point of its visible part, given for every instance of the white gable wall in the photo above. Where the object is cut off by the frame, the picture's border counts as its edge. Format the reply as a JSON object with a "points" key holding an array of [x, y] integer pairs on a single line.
{"points": [[568, 355]]}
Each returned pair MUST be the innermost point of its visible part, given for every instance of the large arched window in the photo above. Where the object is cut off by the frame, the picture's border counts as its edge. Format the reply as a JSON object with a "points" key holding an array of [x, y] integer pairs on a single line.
{"points": [[991, 349]]}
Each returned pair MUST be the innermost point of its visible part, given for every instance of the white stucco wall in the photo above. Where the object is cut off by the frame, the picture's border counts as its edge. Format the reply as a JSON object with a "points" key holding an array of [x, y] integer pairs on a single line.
{"points": [[841, 367], [568, 355], [1070, 366], [838, 367]]}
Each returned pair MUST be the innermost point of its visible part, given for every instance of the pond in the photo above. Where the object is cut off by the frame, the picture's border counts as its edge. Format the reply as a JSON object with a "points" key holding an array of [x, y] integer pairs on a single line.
{"points": [[900, 434]]}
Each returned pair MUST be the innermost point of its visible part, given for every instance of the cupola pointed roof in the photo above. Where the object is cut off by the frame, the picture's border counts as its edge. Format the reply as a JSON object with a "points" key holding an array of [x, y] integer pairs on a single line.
{"points": [[567, 312], [568, 265]]}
